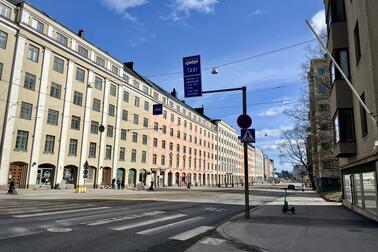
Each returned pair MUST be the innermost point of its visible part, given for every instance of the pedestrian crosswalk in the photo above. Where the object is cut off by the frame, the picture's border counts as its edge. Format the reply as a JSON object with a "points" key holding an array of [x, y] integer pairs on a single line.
{"points": [[175, 225]]}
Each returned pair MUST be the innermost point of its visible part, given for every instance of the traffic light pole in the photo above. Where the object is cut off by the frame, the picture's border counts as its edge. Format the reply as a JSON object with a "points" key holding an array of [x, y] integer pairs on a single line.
{"points": [[245, 145]]}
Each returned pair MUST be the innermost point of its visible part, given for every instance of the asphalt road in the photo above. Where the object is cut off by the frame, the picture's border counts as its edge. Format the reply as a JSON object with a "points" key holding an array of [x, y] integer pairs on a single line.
{"points": [[112, 225]]}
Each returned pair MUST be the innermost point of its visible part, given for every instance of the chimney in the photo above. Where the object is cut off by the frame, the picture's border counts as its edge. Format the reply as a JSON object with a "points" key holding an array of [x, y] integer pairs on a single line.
{"points": [[81, 33], [129, 65], [174, 93], [200, 110]]}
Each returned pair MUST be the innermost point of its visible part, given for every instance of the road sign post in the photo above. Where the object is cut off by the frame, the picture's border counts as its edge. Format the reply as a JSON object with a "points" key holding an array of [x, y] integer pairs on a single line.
{"points": [[192, 76]]}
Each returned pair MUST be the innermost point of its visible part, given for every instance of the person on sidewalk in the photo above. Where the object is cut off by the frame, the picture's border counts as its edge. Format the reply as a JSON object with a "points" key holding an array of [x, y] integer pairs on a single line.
{"points": [[118, 183], [113, 183]]}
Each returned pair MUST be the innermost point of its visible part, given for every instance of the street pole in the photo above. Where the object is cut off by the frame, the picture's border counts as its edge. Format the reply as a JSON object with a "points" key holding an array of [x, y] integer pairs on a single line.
{"points": [[246, 184]]}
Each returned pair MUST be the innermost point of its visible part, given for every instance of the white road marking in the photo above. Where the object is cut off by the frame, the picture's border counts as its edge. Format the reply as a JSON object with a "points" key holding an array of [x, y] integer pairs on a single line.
{"points": [[26, 233], [82, 218], [212, 241], [168, 226], [213, 209], [191, 233], [144, 223], [127, 217], [58, 212]]}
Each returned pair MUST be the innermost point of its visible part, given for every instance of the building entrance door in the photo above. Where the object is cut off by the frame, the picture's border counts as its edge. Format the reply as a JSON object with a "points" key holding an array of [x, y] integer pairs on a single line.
{"points": [[106, 176], [17, 174]]}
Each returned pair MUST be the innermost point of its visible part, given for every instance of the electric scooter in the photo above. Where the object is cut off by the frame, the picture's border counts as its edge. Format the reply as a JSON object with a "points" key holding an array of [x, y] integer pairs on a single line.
{"points": [[285, 207]]}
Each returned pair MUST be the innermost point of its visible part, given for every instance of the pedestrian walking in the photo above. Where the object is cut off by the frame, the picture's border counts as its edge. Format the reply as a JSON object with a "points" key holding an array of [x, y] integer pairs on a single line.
{"points": [[119, 183], [113, 183]]}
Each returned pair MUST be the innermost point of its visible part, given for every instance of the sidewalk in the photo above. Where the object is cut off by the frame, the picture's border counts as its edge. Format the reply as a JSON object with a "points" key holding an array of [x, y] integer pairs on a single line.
{"points": [[318, 225]]}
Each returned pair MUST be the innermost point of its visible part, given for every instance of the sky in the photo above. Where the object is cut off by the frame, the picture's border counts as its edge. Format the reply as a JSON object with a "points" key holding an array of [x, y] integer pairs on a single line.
{"points": [[157, 34]]}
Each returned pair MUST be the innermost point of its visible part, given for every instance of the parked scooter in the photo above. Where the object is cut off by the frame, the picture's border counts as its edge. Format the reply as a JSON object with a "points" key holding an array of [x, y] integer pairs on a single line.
{"points": [[286, 207]]}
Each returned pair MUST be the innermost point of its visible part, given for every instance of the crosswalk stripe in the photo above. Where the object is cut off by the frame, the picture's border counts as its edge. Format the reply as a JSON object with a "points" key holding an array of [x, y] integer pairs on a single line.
{"points": [[82, 218], [191, 233], [165, 227], [58, 212], [144, 223], [115, 219]]}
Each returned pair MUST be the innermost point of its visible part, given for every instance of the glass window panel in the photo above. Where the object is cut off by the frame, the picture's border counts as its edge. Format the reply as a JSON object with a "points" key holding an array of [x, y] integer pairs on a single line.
{"points": [[369, 185]]}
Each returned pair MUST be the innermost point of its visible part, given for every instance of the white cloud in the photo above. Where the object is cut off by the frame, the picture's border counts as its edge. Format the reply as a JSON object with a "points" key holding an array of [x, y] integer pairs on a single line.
{"points": [[204, 6], [277, 110], [256, 12], [121, 6], [318, 21]]}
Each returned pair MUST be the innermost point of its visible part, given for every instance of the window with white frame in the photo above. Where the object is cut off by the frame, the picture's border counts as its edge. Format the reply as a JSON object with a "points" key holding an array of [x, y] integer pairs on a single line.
{"points": [[33, 53], [52, 117], [49, 144], [26, 110], [58, 65], [82, 51], [3, 39], [22, 140], [5, 11], [61, 39]]}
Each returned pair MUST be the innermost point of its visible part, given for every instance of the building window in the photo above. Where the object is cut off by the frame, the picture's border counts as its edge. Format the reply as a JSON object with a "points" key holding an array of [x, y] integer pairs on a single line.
{"points": [[108, 152], [164, 129], [343, 123], [78, 98], [5, 11], [170, 146], [144, 157], [136, 119], [172, 118], [145, 122], [178, 148], [136, 84], [364, 127], [126, 96], [92, 150], [55, 90], [49, 144], [145, 89], [322, 88], [123, 134], [155, 142], [156, 126], [122, 152], [357, 43], [133, 155], [171, 132], [100, 62], [135, 137], [33, 53], [146, 106], [178, 134], [37, 25], [136, 102], [26, 110], [125, 115], [22, 140], [115, 70], [336, 12], [126, 78], [80, 74], [109, 132], [52, 117], [113, 90], [94, 127], [342, 59], [75, 123], [320, 71], [156, 96], [3, 39], [144, 139], [165, 114], [162, 160], [1, 70], [72, 149], [154, 159], [96, 105], [111, 111], [170, 161], [82, 51], [58, 65], [98, 83], [63, 40], [163, 144]]}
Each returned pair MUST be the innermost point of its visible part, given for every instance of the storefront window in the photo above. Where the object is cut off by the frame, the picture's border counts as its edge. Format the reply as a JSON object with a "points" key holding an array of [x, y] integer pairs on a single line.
{"points": [[358, 189], [68, 175], [347, 188], [370, 191], [44, 176]]}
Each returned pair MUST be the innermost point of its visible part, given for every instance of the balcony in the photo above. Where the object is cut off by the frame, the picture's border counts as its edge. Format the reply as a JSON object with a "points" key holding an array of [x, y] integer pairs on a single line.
{"points": [[341, 96], [337, 35], [345, 149]]}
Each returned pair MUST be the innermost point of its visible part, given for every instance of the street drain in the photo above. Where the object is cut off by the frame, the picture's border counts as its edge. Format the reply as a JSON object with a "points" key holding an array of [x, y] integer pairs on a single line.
{"points": [[59, 230]]}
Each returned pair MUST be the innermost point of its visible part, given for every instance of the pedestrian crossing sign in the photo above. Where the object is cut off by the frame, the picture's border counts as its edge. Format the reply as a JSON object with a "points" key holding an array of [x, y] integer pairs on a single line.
{"points": [[248, 136]]}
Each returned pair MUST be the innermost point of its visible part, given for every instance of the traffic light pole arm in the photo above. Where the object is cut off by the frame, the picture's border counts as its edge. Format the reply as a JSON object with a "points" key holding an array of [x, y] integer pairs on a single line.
{"points": [[245, 145]]}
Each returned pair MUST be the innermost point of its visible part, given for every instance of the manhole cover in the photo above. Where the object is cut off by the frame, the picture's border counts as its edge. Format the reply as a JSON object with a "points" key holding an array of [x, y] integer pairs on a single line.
{"points": [[59, 230]]}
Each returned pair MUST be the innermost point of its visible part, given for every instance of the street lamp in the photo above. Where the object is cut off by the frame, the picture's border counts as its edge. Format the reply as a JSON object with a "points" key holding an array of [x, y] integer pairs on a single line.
{"points": [[214, 70]]}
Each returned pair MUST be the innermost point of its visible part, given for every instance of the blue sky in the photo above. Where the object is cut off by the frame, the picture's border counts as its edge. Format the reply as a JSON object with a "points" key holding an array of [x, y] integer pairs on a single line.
{"points": [[156, 34]]}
